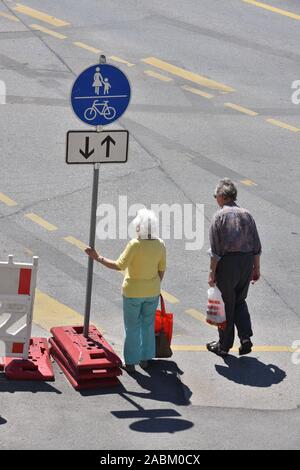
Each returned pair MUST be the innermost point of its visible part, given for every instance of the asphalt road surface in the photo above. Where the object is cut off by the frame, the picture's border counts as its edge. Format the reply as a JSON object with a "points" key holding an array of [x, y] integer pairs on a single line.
{"points": [[211, 97]]}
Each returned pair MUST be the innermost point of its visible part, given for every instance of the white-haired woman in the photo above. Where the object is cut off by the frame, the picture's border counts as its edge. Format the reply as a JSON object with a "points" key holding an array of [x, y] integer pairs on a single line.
{"points": [[144, 260]]}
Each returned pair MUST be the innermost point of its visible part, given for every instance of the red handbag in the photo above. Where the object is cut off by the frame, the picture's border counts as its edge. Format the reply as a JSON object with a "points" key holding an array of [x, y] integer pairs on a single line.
{"points": [[163, 331]]}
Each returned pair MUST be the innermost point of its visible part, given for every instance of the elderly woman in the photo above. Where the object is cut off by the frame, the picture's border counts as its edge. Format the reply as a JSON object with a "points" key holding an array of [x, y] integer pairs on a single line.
{"points": [[235, 261], [144, 260]]}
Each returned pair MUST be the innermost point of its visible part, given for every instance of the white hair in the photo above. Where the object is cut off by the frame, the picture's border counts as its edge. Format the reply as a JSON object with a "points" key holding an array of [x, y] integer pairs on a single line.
{"points": [[227, 189], [145, 224]]}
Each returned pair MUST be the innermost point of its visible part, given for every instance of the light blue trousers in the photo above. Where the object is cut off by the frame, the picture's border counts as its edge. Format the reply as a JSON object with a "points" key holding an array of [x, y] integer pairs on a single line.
{"points": [[139, 317]]}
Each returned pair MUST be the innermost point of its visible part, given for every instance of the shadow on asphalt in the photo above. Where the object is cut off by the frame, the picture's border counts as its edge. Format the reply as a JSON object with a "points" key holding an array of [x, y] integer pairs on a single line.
{"points": [[2, 420], [116, 390], [250, 371], [161, 380], [163, 383], [13, 386]]}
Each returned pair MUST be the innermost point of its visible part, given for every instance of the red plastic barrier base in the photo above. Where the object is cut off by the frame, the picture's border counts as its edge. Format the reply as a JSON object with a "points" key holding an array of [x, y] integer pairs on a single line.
{"points": [[84, 384], [93, 352], [85, 374], [37, 367]]}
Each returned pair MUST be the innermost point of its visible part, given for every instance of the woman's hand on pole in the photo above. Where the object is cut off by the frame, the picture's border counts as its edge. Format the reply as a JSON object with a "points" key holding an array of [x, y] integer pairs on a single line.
{"points": [[92, 253]]}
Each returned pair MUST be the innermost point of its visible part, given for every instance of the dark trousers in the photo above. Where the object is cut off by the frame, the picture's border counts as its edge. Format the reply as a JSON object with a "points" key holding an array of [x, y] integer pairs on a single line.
{"points": [[233, 276]]}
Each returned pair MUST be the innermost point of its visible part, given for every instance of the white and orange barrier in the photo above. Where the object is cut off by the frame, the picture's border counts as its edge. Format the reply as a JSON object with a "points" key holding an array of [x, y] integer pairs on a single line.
{"points": [[17, 289], [21, 356]]}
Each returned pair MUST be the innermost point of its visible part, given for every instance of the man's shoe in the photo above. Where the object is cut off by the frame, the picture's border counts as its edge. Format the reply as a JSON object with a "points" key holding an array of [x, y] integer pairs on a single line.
{"points": [[246, 347], [215, 348], [144, 364]]}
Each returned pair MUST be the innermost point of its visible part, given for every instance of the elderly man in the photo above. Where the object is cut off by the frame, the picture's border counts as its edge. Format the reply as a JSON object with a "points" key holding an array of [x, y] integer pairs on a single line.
{"points": [[235, 261]]}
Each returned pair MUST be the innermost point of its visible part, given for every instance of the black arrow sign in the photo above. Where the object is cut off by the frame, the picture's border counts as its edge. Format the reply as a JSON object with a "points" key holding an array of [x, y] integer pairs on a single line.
{"points": [[86, 154], [108, 140]]}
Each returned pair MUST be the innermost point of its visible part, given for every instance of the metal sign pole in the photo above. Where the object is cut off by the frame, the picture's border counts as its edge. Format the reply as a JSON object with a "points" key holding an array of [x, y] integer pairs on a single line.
{"points": [[89, 284]]}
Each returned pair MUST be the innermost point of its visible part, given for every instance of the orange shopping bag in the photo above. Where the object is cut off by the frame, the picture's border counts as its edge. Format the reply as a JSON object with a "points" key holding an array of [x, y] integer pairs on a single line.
{"points": [[163, 331]]}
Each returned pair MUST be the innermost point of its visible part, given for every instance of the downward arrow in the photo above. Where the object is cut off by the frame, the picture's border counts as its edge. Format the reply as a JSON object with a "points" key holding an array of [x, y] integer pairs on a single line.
{"points": [[86, 154], [108, 140]]}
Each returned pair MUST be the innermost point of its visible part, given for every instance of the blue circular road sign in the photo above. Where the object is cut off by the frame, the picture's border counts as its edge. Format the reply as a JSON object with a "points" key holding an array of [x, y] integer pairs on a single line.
{"points": [[100, 95]]}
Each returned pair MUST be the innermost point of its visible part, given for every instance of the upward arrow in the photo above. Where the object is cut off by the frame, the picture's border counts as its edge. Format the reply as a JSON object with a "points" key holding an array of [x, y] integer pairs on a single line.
{"points": [[108, 140], [86, 154]]}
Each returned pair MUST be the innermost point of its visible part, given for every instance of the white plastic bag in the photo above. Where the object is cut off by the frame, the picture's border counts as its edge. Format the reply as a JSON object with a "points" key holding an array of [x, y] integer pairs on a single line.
{"points": [[215, 313]]}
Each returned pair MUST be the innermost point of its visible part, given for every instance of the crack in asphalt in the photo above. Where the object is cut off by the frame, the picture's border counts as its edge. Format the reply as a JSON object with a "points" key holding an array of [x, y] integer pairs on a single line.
{"points": [[36, 35]]}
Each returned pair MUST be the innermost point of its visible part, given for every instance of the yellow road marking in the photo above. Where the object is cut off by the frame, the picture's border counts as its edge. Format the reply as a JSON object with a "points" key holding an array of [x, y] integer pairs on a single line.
{"points": [[284, 125], [198, 315], [87, 47], [48, 31], [163, 78], [176, 347], [74, 241], [169, 297], [202, 348], [197, 91], [38, 220], [273, 9], [8, 16], [273, 349], [248, 182], [122, 61], [48, 312], [39, 15], [191, 76], [7, 200], [241, 109]]}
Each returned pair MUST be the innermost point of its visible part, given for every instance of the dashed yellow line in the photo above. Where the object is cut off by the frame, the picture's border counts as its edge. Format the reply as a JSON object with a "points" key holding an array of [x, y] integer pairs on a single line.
{"points": [[169, 297], [190, 76], [48, 312], [121, 61], [202, 348], [284, 125], [42, 222], [248, 182], [48, 31], [152, 74], [74, 241], [280, 11], [196, 91], [198, 316], [87, 47], [241, 109], [39, 15], [7, 200], [8, 16]]}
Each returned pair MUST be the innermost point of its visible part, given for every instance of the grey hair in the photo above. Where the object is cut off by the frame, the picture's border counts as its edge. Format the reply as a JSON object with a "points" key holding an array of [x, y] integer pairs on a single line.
{"points": [[145, 224], [227, 189]]}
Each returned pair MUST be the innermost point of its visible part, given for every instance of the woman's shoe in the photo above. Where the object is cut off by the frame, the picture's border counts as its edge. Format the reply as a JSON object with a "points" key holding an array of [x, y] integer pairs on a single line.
{"points": [[215, 348], [129, 367], [144, 364]]}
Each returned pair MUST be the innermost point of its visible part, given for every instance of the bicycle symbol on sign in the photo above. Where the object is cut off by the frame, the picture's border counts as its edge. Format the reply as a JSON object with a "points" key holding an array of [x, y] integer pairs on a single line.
{"points": [[100, 108]]}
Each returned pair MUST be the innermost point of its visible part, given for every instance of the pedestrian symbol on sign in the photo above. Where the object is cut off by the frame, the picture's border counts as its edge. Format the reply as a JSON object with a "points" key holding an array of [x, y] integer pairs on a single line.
{"points": [[100, 94], [98, 81]]}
